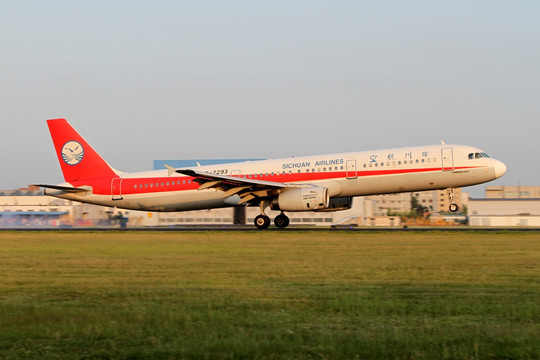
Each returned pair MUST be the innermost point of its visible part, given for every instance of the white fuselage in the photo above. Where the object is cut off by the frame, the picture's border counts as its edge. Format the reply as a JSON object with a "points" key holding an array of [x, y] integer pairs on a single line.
{"points": [[344, 175]]}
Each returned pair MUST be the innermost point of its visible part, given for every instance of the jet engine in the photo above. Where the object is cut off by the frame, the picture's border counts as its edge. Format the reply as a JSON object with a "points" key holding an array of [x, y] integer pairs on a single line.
{"points": [[301, 199]]}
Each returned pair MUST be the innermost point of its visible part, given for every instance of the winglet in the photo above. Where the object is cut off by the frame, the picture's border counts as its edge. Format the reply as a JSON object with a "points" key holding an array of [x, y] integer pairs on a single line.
{"points": [[170, 169], [442, 142]]}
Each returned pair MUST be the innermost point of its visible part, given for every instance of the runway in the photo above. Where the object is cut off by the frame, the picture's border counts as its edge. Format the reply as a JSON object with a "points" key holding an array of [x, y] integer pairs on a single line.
{"points": [[250, 228]]}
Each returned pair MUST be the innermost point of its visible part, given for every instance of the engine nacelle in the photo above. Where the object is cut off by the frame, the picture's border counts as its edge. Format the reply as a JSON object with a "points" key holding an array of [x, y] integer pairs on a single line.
{"points": [[338, 204], [301, 199]]}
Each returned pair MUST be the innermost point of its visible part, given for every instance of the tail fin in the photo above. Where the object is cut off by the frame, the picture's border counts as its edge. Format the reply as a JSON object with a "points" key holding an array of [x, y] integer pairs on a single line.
{"points": [[78, 160]]}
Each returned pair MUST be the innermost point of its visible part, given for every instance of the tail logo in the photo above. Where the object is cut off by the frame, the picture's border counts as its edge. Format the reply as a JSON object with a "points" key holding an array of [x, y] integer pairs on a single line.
{"points": [[72, 152]]}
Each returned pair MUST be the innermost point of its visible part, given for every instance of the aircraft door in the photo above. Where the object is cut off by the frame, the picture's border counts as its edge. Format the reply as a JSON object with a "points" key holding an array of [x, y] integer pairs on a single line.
{"points": [[351, 169], [116, 188], [447, 158]]}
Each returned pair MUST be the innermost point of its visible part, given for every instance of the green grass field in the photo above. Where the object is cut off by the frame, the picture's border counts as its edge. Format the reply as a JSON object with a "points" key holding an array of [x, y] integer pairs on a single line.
{"points": [[269, 295]]}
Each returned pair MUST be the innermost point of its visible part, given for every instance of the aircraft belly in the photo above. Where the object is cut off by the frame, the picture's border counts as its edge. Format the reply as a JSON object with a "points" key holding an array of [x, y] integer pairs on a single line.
{"points": [[175, 201]]}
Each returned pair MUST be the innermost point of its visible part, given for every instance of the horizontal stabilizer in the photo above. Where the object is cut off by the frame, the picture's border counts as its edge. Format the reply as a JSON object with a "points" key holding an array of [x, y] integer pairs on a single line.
{"points": [[66, 189]]}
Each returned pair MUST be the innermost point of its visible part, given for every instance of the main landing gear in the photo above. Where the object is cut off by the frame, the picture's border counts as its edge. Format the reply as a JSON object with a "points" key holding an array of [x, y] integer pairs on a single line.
{"points": [[281, 221], [263, 221], [453, 206]]}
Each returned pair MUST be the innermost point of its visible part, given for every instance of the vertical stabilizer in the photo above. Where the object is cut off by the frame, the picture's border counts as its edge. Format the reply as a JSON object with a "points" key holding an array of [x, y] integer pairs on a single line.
{"points": [[78, 160]]}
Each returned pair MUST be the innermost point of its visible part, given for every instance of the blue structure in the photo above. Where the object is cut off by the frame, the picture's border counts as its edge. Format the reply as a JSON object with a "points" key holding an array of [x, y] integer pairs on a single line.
{"points": [[188, 163]]}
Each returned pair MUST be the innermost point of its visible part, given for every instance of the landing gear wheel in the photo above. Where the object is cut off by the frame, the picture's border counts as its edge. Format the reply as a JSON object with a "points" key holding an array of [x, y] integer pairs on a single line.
{"points": [[262, 221], [453, 207], [281, 221]]}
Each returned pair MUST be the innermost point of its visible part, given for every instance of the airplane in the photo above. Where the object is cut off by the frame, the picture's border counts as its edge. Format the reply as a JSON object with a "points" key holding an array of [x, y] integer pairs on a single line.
{"points": [[309, 183]]}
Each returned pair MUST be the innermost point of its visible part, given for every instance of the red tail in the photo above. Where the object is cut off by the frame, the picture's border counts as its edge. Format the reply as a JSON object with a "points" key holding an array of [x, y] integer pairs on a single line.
{"points": [[78, 160]]}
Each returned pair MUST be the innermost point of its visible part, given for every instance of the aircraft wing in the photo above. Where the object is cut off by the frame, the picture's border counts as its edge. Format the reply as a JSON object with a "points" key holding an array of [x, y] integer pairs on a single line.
{"points": [[247, 189]]}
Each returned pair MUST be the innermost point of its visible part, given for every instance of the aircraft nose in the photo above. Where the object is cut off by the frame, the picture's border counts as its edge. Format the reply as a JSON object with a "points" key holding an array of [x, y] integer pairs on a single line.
{"points": [[500, 168]]}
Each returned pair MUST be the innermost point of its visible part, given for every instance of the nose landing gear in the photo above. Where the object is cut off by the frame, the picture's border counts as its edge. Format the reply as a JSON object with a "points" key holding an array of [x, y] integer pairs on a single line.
{"points": [[453, 206]]}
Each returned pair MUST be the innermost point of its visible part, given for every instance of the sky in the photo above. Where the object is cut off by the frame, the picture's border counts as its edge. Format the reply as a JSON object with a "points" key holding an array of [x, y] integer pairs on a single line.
{"points": [[147, 80]]}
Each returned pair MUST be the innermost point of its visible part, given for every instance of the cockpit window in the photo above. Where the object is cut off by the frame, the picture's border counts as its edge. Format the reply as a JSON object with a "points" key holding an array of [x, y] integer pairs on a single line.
{"points": [[478, 155]]}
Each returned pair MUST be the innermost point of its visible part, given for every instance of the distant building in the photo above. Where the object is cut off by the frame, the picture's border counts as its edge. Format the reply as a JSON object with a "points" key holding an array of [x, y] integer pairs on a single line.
{"points": [[506, 206], [390, 203], [513, 192], [504, 212], [33, 211]]}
